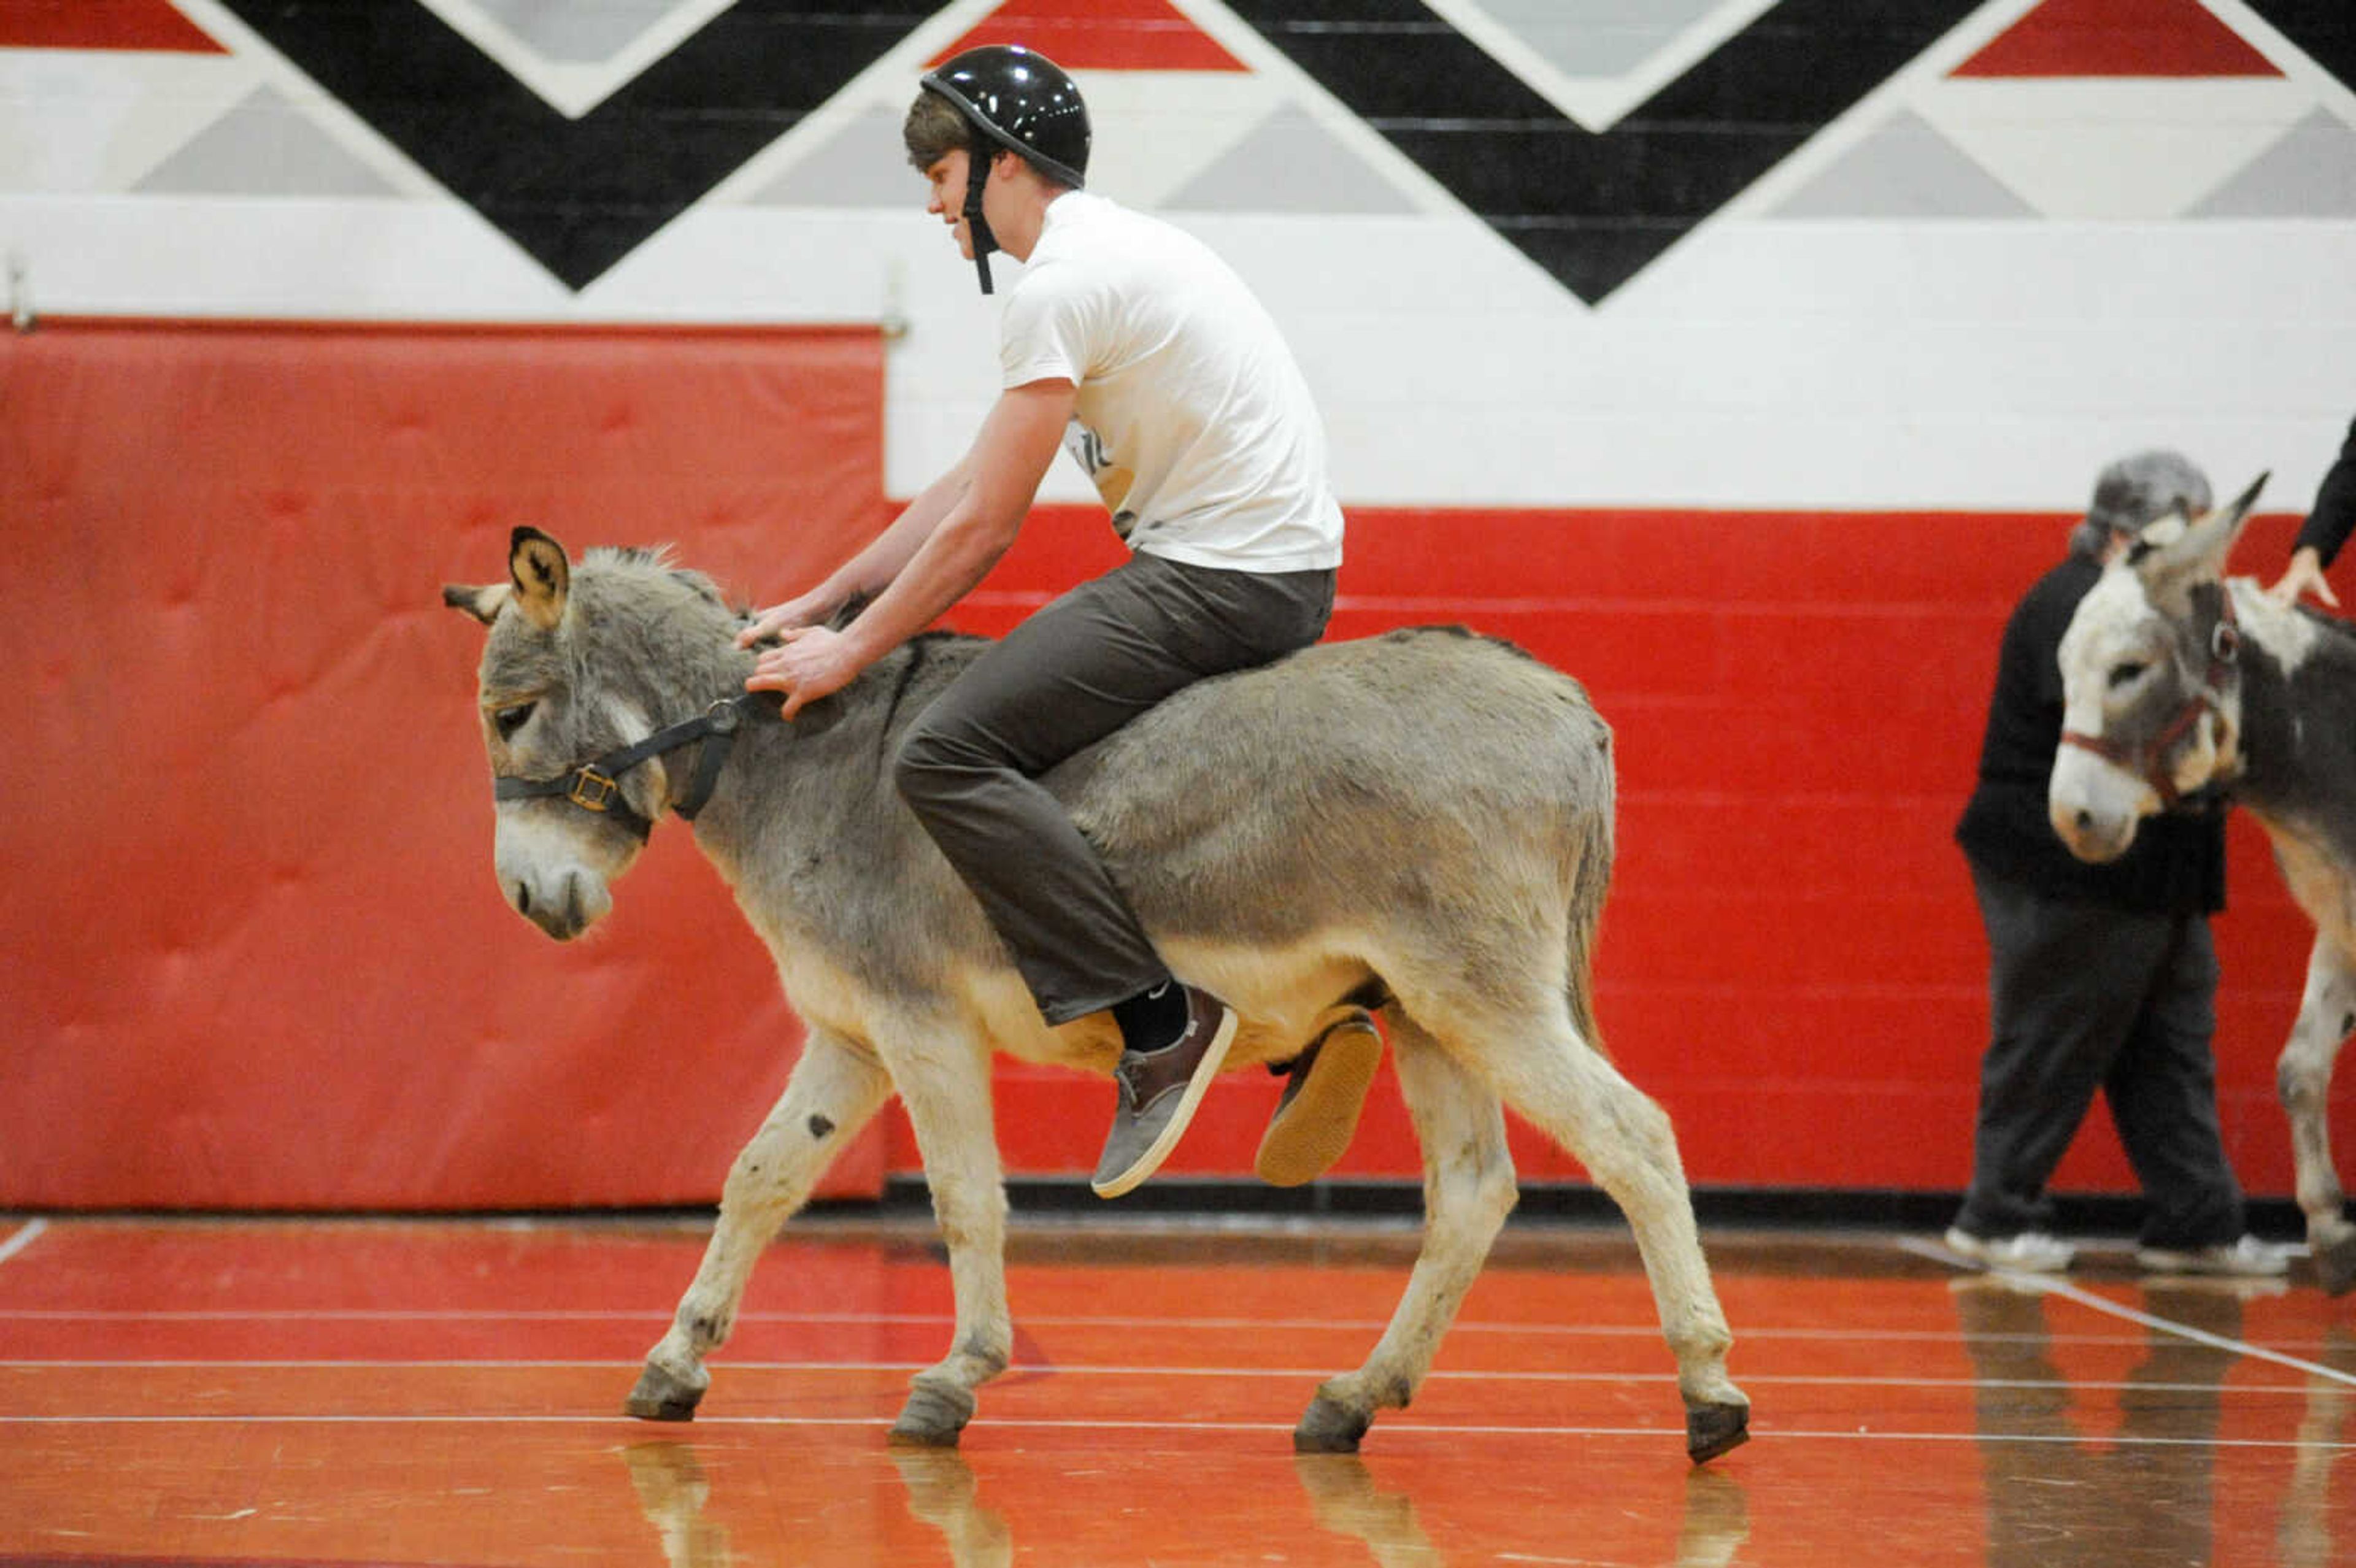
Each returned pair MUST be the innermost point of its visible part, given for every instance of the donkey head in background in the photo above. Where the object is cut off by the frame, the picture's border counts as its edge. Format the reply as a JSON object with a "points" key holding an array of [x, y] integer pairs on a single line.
{"points": [[2151, 702]]}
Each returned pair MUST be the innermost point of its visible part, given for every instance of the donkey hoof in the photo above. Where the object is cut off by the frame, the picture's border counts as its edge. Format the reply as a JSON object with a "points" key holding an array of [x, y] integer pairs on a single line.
{"points": [[2335, 1264], [933, 1417], [1329, 1428], [663, 1395], [1715, 1429]]}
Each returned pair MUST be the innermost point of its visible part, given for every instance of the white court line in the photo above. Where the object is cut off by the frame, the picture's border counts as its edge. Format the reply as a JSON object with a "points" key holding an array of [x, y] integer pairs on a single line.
{"points": [[941, 1321], [2051, 1285], [1390, 1432], [1100, 1369], [22, 1238]]}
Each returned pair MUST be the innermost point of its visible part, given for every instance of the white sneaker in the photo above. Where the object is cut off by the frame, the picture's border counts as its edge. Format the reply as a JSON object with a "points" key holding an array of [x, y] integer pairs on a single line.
{"points": [[2248, 1258], [2032, 1252]]}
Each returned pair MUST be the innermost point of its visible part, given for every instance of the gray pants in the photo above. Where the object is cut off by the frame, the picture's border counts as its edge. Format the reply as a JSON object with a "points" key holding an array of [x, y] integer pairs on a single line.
{"points": [[2083, 998], [1069, 676]]}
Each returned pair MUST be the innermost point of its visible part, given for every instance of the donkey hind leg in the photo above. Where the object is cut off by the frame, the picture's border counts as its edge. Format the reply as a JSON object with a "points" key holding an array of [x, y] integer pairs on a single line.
{"points": [[945, 1086], [2327, 1012], [1561, 1084], [834, 1090], [1467, 1190]]}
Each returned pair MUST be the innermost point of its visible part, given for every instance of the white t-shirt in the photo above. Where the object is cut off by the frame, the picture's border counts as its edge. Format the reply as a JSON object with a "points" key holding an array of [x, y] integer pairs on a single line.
{"points": [[1192, 417]]}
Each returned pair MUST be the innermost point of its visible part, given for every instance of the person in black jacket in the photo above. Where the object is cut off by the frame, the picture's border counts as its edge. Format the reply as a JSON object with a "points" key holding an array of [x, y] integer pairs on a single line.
{"points": [[2101, 978], [2326, 528]]}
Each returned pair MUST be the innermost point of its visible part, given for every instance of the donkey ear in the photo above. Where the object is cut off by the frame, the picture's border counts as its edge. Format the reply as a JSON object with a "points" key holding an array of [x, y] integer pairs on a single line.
{"points": [[2174, 554], [536, 563], [483, 603]]}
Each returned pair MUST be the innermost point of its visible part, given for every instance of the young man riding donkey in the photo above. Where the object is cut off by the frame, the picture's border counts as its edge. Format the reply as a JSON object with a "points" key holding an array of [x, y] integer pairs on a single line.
{"points": [[1126, 342], [954, 847]]}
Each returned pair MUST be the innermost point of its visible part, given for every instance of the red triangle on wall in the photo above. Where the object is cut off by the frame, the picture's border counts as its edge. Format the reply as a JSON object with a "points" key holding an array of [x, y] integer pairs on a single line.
{"points": [[1101, 35], [100, 25], [2118, 38]]}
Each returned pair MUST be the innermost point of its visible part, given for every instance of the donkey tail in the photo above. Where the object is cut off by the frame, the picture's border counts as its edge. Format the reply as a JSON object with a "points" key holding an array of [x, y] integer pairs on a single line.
{"points": [[1590, 878]]}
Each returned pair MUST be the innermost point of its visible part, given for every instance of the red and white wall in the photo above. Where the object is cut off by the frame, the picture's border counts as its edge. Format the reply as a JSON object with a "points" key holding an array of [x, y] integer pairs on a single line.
{"points": [[309, 321]]}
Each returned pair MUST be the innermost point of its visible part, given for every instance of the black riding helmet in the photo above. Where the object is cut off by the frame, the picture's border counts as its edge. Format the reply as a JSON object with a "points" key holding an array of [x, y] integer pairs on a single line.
{"points": [[1020, 102]]}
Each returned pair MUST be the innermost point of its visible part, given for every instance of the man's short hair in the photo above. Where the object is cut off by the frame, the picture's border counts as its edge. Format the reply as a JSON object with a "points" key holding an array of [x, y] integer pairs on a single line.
{"points": [[934, 128]]}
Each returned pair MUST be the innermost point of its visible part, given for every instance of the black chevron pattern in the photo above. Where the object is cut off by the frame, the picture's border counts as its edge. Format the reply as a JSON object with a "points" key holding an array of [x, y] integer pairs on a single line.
{"points": [[1592, 208], [579, 195]]}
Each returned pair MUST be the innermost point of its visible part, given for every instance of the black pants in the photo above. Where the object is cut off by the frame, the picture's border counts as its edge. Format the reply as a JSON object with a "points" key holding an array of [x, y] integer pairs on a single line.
{"points": [[2083, 998], [1069, 676]]}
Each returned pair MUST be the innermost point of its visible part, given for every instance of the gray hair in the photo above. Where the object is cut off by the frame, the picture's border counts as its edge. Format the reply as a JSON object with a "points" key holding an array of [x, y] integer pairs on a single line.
{"points": [[2136, 491]]}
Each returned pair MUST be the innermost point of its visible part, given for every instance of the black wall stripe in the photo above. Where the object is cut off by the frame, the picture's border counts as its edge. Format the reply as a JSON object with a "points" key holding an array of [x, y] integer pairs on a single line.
{"points": [[2324, 30], [579, 195], [1595, 210]]}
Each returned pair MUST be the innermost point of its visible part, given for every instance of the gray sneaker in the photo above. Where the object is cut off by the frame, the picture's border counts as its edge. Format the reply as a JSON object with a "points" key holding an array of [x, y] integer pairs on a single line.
{"points": [[2031, 1252], [2246, 1258], [1158, 1092]]}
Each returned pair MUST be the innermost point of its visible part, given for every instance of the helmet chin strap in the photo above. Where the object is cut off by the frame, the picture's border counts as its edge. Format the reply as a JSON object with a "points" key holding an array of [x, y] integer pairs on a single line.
{"points": [[976, 226]]}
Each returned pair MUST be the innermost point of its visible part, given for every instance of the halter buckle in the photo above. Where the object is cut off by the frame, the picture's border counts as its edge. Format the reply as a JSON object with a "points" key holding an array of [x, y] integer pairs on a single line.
{"points": [[592, 791]]}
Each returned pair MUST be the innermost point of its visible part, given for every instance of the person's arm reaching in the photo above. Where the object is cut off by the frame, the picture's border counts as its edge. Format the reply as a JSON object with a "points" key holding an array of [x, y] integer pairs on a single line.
{"points": [[933, 559], [872, 571]]}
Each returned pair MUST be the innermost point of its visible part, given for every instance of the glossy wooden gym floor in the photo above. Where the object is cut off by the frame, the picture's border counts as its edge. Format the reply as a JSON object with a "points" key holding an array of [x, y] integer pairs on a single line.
{"points": [[446, 1392]]}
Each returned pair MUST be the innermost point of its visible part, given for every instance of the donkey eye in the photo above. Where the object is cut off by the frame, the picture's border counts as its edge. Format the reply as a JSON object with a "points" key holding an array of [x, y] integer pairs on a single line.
{"points": [[508, 720], [2127, 674]]}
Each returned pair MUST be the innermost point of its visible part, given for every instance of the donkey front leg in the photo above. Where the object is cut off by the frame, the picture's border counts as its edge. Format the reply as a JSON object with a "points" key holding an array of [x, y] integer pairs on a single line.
{"points": [[1468, 1191], [1578, 1098], [944, 1079], [835, 1090], [2327, 1012]]}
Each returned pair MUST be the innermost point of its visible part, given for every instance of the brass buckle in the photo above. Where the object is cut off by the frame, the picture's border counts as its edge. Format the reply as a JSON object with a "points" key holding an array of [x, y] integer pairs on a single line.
{"points": [[592, 791]]}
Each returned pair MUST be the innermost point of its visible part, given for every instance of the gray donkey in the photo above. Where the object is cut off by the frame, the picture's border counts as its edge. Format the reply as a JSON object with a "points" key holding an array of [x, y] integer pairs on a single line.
{"points": [[2176, 678], [1420, 822]]}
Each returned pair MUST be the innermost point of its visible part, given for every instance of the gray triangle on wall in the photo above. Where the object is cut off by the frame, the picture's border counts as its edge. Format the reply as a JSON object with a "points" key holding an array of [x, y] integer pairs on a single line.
{"points": [[2309, 173], [1904, 169], [584, 31], [1596, 37], [1289, 163], [864, 163], [264, 146]]}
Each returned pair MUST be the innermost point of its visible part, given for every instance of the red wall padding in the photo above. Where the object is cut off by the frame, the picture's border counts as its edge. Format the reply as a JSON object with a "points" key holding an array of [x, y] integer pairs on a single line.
{"points": [[252, 954]]}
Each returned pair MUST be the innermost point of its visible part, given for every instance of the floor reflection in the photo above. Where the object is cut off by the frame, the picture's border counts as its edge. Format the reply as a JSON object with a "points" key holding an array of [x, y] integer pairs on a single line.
{"points": [[942, 1491], [2083, 1471], [672, 1489], [2304, 1537]]}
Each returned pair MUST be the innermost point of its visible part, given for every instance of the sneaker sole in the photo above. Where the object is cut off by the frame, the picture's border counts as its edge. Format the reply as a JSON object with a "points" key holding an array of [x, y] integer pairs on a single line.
{"points": [[2198, 1268], [1312, 1132], [1965, 1245], [1159, 1150]]}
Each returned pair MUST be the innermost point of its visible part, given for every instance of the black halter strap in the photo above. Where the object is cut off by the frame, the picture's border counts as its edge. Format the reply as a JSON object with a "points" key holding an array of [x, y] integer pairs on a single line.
{"points": [[596, 785]]}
